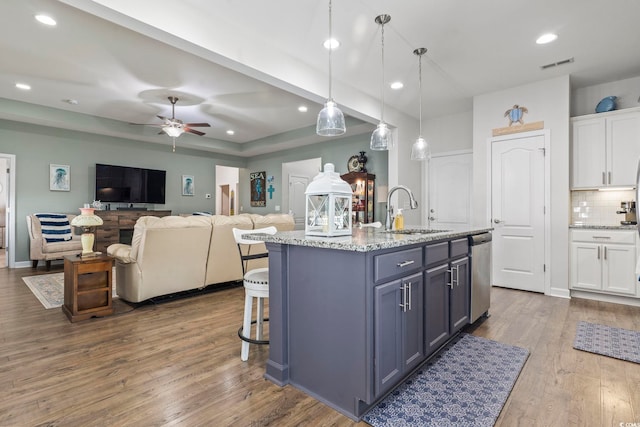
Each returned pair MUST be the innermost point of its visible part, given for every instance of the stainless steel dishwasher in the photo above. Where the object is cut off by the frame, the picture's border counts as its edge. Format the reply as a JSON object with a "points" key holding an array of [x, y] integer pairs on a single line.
{"points": [[480, 274]]}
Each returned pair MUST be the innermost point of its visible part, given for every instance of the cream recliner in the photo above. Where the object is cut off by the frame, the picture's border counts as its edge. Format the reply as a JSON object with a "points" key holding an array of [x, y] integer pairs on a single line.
{"points": [[166, 255]]}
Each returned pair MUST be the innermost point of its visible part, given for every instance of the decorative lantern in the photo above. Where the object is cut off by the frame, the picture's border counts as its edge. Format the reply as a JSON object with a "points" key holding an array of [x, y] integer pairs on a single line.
{"points": [[328, 210]]}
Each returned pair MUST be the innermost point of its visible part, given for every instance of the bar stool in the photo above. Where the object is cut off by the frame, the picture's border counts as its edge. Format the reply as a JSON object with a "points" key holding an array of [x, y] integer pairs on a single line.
{"points": [[256, 285]]}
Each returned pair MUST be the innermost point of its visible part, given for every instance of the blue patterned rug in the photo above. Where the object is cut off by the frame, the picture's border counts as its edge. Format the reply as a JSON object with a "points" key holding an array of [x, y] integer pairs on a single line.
{"points": [[608, 341], [466, 384]]}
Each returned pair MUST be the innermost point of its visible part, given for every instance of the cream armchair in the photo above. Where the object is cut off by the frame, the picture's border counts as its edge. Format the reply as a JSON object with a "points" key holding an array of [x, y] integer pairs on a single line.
{"points": [[166, 255], [41, 250]]}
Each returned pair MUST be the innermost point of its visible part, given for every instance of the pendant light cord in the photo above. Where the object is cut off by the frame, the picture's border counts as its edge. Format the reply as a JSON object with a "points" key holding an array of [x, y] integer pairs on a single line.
{"points": [[330, 48], [382, 85], [420, 89]]}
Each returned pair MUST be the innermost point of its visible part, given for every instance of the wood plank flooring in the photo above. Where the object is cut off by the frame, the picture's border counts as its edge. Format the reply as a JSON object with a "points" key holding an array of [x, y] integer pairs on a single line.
{"points": [[178, 364]]}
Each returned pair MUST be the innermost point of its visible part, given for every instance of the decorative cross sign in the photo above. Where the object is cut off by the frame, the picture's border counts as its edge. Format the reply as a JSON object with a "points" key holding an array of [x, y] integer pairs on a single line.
{"points": [[270, 190]]}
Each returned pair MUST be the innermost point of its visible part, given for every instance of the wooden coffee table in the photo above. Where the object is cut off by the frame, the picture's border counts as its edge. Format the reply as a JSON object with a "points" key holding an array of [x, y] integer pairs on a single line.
{"points": [[87, 286]]}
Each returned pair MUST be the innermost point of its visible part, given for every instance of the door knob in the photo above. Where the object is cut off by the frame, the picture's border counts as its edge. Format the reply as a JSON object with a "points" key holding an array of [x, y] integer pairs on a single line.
{"points": [[431, 218], [497, 221]]}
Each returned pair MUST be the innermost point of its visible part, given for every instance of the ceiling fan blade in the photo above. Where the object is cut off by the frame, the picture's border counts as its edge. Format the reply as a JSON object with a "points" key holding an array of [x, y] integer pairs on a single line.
{"points": [[162, 118], [198, 125], [196, 132]]}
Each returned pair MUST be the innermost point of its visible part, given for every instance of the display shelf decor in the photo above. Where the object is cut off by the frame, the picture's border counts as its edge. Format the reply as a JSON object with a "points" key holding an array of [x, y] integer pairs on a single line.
{"points": [[328, 205], [188, 185], [59, 178], [258, 189]]}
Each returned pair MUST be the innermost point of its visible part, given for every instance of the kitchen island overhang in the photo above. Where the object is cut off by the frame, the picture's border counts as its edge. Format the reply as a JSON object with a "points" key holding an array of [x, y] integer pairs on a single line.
{"points": [[349, 316]]}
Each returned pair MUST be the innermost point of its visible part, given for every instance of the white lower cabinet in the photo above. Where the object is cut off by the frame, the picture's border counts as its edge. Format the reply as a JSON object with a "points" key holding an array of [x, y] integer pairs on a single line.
{"points": [[604, 261]]}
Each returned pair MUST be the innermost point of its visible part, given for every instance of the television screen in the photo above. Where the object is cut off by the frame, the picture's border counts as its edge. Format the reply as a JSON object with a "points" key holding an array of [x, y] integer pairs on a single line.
{"points": [[126, 184]]}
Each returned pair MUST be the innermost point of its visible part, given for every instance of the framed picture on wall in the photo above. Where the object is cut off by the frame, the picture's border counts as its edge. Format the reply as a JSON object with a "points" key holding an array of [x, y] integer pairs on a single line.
{"points": [[188, 185], [258, 189], [59, 178]]}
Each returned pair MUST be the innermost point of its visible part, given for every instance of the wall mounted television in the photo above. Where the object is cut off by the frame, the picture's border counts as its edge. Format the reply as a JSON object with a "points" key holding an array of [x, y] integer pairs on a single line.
{"points": [[124, 184]]}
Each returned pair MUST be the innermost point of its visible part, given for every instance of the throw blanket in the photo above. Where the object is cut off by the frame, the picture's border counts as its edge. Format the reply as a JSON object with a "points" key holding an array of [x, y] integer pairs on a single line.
{"points": [[55, 227]]}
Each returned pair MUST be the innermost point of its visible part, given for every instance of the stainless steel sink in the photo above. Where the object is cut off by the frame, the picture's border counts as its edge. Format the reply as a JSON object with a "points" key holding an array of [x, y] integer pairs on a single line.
{"points": [[415, 231]]}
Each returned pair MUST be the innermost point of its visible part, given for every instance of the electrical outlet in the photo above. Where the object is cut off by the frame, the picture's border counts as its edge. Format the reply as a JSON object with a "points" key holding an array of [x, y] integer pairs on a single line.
{"points": [[277, 208], [207, 196]]}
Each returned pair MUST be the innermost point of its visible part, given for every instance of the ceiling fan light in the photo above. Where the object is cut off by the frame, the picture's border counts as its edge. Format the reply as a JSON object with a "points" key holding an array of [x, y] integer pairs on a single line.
{"points": [[330, 120], [420, 150], [173, 131], [381, 138]]}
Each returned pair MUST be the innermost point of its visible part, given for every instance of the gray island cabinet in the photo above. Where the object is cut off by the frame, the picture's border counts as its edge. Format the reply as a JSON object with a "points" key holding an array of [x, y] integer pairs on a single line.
{"points": [[352, 316]]}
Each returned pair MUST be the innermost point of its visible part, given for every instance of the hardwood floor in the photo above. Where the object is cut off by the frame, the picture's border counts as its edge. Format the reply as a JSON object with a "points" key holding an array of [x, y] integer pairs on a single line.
{"points": [[178, 364]]}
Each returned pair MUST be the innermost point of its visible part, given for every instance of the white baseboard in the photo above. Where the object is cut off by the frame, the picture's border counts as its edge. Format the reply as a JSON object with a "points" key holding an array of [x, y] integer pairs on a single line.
{"points": [[615, 299]]}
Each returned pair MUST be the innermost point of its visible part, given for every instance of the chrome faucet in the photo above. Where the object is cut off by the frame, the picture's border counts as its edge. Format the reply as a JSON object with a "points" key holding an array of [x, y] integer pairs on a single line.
{"points": [[413, 204]]}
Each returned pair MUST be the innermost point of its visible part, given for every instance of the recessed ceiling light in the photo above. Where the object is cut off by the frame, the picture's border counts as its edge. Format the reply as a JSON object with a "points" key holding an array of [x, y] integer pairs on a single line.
{"points": [[231, 132], [302, 108], [397, 85], [23, 86], [46, 20], [546, 38], [331, 44]]}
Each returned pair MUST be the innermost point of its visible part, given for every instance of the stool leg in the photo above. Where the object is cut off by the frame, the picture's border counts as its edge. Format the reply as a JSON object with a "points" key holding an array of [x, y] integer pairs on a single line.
{"points": [[260, 318], [246, 326]]}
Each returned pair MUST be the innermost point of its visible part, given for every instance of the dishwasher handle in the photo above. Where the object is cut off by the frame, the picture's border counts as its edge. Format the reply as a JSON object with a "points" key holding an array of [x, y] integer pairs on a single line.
{"points": [[479, 239]]}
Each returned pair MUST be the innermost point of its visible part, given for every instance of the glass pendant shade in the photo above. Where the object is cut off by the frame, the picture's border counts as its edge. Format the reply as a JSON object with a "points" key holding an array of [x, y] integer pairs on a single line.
{"points": [[381, 138], [330, 120], [420, 150], [173, 131]]}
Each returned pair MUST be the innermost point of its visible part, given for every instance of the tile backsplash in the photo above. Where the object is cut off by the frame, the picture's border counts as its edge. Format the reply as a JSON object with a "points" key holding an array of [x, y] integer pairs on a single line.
{"points": [[598, 207]]}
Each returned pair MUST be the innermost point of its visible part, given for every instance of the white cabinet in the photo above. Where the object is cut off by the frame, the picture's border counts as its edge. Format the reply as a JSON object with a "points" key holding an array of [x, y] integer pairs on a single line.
{"points": [[605, 149], [604, 261]]}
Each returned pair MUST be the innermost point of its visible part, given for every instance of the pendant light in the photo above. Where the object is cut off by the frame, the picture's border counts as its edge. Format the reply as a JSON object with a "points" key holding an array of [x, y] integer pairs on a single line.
{"points": [[382, 138], [330, 119], [420, 149]]}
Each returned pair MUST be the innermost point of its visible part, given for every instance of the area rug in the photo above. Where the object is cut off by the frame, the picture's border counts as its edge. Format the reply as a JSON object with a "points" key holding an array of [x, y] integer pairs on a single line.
{"points": [[49, 288], [609, 341], [465, 384]]}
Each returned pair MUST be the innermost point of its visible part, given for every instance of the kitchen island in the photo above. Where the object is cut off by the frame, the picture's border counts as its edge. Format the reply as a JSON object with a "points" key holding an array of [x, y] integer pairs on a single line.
{"points": [[352, 316]]}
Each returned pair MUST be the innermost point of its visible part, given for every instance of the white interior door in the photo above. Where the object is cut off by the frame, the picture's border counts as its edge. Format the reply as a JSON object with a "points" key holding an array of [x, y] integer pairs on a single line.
{"points": [[297, 186], [518, 212], [450, 190]]}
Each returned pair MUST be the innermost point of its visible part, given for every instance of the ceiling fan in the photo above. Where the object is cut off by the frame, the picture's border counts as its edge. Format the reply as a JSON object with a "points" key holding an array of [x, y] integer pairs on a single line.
{"points": [[176, 127]]}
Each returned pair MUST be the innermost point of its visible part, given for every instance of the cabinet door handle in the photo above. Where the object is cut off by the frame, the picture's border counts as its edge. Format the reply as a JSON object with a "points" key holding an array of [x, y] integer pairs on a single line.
{"points": [[409, 287], [609, 177], [450, 284], [405, 263], [604, 181], [598, 252], [601, 237], [605, 252], [403, 303], [457, 275]]}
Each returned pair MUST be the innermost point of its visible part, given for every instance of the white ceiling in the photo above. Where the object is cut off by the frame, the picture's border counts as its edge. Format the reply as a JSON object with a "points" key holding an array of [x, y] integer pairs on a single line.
{"points": [[247, 65]]}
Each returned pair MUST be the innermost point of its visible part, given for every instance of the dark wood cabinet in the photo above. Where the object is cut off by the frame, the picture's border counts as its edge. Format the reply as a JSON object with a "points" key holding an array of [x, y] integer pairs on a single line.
{"points": [[363, 199], [118, 226], [87, 286]]}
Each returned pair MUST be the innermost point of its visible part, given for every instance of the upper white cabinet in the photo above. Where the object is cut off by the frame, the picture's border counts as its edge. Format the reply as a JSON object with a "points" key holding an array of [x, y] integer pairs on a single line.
{"points": [[605, 149]]}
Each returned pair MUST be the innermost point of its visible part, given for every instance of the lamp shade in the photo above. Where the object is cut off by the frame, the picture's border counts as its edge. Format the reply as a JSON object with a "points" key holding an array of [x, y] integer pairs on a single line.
{"points": [[330, 120], [173, 131], [381, 138], [86, 219], [420, 150]]}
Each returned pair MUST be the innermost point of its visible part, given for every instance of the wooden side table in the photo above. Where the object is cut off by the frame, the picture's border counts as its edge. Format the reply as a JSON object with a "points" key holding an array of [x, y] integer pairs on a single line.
{"points": [[87, 286]]}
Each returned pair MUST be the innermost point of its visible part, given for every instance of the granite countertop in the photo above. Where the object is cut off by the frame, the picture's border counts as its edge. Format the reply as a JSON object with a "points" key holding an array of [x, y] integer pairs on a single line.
{"points": [[366, 239], [603, 227]]}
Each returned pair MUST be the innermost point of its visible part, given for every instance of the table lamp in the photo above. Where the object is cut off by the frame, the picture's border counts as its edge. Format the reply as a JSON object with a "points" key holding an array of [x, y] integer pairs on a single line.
{"points": [[86, 220]]}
